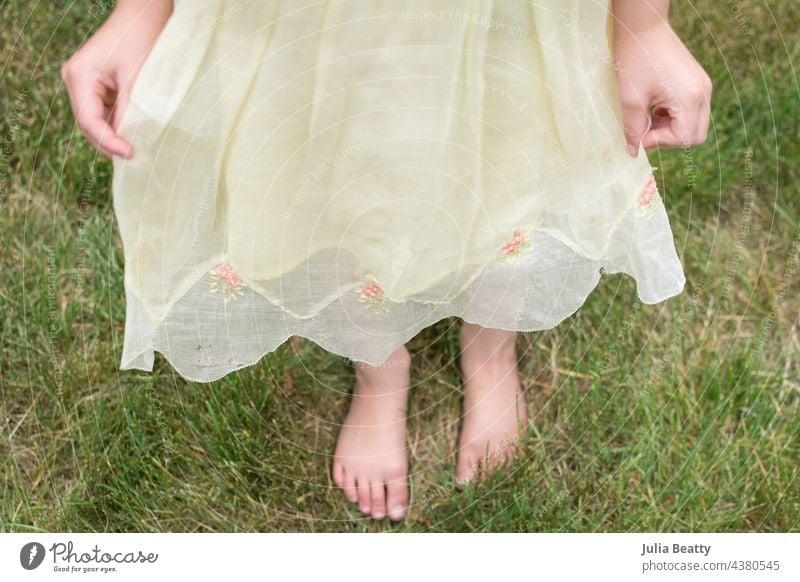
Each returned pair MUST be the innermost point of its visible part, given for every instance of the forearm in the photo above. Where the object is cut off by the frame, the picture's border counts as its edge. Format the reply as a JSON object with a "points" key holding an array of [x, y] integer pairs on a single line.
{"points": [[635, 16], [132, 27], [133, 9], [141, 20]]}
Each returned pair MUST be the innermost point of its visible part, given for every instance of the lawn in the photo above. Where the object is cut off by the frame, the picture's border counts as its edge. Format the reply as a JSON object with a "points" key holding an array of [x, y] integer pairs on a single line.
{"points": [[678, 417]]}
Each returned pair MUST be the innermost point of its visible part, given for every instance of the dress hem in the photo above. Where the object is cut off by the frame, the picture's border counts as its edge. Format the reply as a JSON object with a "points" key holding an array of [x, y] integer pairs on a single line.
{"points": [[672, 292]]}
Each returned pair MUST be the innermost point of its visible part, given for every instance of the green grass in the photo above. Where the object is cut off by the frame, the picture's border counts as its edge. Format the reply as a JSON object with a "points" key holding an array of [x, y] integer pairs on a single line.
{"points": [[676, 417]]}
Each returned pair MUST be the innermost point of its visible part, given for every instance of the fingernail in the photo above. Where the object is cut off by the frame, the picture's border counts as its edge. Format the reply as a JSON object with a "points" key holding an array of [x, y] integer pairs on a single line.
{"points": [[631, 150]]}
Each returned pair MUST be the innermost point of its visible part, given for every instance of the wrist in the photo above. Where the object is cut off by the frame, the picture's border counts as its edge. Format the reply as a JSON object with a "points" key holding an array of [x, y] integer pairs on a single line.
{"points": [[622, 34], [633, 17], [131, 16]]}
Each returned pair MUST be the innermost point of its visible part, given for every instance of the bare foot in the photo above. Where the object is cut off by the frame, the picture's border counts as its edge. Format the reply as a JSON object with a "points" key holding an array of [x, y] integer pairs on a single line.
{"points": [[494, 406], [370, 462]]}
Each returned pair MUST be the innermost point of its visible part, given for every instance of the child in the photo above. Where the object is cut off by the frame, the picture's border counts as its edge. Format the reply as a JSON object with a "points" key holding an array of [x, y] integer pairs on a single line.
{"points": [[353, 172]]}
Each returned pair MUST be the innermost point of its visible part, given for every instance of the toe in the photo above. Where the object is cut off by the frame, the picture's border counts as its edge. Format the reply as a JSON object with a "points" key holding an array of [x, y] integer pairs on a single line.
{"points": [[364, 495], [349, 488], [466, 467], [499, 457], [338, 473], [378, 500], [397, 497]]}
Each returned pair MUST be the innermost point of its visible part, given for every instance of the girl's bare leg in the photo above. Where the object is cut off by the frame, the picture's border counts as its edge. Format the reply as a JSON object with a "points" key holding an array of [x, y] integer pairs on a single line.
{"points": [[494, 406], [370, 463]]}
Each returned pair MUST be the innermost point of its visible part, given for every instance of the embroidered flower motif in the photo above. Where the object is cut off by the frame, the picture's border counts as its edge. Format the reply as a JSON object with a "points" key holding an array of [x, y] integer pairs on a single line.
{"points": [[646, 200], [224, 279], [519, 241], [371, 294]]}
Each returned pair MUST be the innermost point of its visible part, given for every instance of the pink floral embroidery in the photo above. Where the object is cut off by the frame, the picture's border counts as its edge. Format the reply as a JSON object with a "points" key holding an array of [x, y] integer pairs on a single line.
{"points": [[226, 280], [648, 192], [647, 198], [371, 294], [511, 250]]}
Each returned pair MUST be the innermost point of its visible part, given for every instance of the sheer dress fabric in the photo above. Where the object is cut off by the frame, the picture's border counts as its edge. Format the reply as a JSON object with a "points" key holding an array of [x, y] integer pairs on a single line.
{"points": [[352, 171]]}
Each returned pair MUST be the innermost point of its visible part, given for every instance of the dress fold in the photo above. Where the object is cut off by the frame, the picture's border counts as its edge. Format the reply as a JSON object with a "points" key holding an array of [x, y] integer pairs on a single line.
{"points": [[352, 172]]}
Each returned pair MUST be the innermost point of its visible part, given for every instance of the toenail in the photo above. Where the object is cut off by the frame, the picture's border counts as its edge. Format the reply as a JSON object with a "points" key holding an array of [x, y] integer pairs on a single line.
{"points": [[396, 512], [364, 509], [378, 515], [463, 480]]}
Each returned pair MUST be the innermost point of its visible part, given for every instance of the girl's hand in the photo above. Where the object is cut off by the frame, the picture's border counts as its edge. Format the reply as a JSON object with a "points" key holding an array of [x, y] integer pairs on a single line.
{"points": [[656, 71], [99, 76]]}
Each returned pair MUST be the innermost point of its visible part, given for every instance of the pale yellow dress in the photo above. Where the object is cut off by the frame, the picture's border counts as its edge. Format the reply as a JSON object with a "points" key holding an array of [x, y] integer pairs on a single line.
{"points": [[352, 171]]}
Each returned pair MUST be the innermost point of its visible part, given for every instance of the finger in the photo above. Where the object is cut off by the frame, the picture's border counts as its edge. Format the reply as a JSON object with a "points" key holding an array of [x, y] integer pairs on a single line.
{"points": [[703, 122], [684, 123], [660, 137], [689, 127], [107, 153], [120, 107], [635, 122], [675, 127], [86, 96], [101, 134], [704, 107]]}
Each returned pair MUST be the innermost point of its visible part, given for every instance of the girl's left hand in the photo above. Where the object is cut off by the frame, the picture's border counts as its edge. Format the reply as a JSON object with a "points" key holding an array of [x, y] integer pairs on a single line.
{"points": [[659, 77]]}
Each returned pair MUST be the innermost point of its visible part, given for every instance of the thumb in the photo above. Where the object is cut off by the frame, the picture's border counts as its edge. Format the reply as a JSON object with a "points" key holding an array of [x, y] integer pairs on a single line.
{"points": [[120, 107], [636, 122]]}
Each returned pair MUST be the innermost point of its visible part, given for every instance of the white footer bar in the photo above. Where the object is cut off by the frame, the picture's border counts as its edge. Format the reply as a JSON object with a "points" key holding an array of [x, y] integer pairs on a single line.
{"points": [[406, 557]]}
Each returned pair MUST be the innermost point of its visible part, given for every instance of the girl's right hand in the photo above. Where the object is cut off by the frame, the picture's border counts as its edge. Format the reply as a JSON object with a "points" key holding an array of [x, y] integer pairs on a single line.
{"points": [[99, 76]]}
